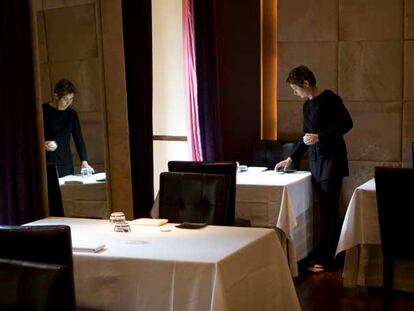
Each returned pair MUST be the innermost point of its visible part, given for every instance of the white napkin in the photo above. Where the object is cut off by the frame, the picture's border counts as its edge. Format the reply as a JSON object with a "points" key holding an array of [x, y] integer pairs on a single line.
{"points": [[148, 221], [256, 169], [90, 247]]}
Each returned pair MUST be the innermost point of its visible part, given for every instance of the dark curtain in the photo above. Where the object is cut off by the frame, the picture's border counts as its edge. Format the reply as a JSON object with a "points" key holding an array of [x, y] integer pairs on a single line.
{"points": [[206, 67], [138, 65], [20, 181]]}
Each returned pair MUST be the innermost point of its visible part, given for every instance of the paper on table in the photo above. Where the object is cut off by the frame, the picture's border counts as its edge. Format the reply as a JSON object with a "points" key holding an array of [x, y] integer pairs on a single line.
{"points": [[148, 221]]}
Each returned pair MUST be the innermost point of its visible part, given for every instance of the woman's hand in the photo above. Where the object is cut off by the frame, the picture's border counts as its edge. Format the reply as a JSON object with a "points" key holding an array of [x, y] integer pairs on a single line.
{"points": [[283, 164], [85, 164]]}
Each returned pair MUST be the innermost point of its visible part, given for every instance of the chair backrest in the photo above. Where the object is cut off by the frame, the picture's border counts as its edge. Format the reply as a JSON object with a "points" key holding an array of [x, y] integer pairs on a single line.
{"points": [[44, 244], [268, 152], [26, 285], [395, 204], [205, 167], [194, 197], [39, 244]]}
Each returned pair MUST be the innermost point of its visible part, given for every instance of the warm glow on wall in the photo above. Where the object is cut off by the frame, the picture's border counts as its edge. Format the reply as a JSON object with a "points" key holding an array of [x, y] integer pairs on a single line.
{"points": [[268, 63]]}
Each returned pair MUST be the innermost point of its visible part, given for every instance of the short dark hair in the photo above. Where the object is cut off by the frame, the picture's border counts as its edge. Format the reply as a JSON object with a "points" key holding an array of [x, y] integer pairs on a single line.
{"points": [[298, 75], [64, 87]]}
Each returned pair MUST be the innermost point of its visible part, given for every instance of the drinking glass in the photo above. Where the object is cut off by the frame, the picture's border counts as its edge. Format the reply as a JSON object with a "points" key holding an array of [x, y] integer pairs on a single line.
{"points": [[119, 220], [117, 217], [122, 227]]}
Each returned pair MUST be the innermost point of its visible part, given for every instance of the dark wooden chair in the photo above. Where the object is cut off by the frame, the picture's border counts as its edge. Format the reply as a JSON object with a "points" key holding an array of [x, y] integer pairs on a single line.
{"points": [[28, 285], [395, 204], [206, 167], [41, 255], [267, 153], [194, 197]]}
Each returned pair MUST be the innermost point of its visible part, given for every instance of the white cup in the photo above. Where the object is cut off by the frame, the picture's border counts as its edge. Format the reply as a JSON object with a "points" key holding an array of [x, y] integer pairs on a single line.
{"points": [[306, 138], [52, 144]]}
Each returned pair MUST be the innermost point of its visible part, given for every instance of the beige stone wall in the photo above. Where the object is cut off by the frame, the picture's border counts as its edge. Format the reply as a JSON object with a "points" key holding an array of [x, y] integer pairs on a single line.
{"points": [[363, 50]]}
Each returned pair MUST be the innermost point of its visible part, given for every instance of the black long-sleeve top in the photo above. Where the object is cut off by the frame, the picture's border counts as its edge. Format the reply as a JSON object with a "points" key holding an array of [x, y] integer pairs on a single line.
{"points": [[327, 116], [59, 125]]}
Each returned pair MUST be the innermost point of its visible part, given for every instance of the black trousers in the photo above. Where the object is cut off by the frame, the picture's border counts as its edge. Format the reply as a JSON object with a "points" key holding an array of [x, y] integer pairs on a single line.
{"points": [[53, 190], [328, 193]]}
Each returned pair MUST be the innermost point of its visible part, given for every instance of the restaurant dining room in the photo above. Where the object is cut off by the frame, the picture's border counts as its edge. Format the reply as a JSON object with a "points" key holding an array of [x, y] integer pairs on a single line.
{"points": [[206, 155]]}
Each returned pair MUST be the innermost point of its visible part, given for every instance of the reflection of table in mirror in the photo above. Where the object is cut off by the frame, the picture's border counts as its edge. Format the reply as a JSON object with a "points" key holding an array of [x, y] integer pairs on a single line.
{"points": [[84, 196]]}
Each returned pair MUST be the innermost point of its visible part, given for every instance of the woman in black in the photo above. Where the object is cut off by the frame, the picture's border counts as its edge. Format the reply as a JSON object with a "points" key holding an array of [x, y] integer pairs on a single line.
{"points": [[325, 121], [60, 122]]}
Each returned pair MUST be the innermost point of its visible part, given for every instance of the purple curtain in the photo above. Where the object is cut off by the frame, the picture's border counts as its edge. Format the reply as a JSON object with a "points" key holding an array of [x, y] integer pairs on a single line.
{"points": [[138, 66], [190, 82], [206, 64], [20, 181]]}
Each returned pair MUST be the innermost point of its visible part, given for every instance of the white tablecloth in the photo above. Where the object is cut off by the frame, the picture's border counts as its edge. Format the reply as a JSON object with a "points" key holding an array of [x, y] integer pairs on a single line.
{"points": [[361, 224], [214, 268], [276, 200], [69, 180], [84, 196], [282, 201], [360, 238]]}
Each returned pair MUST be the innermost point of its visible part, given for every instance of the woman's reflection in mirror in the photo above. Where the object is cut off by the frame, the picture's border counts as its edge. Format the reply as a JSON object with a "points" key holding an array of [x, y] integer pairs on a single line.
{"points": [[60, 123]]}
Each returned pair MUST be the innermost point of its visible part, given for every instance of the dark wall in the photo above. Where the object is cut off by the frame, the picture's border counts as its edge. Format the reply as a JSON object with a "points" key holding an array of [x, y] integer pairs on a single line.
{"points": [[238, 28]]}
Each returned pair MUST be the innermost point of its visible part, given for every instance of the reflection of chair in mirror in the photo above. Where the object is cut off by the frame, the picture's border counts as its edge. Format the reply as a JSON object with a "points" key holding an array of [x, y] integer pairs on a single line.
{"points": [[395, 214], [49, 246], [205, 167], [194, 197], [267, 153]]}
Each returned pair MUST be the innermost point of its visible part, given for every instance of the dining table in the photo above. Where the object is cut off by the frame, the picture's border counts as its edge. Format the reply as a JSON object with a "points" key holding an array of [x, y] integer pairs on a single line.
{"points": [[361, 240], [278, 200], [85, 196], [170, 268], [282, 201]]}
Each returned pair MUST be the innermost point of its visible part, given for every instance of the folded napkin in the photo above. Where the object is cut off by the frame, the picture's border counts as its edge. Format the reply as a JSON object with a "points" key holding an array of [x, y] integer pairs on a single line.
{"points": [[256, 169], [91, 247], [148, 221]]}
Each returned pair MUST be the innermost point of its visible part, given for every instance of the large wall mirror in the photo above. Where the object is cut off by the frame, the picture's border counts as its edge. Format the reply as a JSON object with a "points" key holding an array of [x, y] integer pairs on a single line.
{"points": [[70, 47]]}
